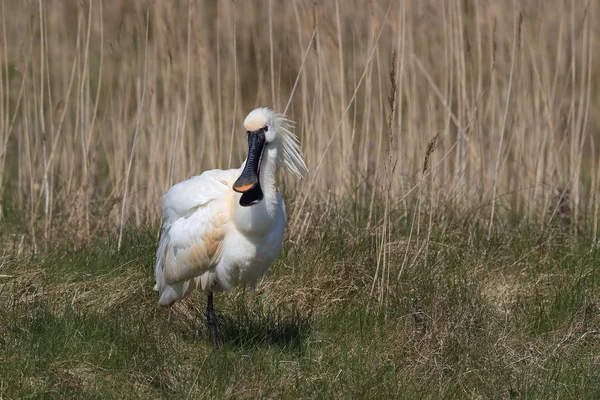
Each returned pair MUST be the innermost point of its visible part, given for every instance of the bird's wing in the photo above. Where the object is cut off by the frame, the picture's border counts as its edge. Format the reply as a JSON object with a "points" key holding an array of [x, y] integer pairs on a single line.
{"points": [[195, 217]]}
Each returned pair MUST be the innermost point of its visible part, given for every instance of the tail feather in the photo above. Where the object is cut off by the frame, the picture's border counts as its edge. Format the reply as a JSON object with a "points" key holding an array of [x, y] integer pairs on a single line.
{"points": [[161, 254], [172, 292]]}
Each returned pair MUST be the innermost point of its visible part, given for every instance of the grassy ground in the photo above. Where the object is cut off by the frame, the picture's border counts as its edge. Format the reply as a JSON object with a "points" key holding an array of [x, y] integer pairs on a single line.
{"points": [[513, 317]]}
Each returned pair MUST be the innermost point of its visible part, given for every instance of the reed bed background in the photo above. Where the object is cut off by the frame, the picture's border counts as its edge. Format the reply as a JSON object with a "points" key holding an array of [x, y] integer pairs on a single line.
{"points": [[443, 245], [105, 104]]}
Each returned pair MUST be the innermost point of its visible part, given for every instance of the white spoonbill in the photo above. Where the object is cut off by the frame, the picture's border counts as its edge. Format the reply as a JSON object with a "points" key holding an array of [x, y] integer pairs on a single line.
{"points": [[225, 227]]}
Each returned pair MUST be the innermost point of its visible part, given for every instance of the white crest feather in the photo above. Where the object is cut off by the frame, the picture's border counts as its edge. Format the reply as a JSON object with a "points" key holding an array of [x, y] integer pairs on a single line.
{"points": [[291, 157]]}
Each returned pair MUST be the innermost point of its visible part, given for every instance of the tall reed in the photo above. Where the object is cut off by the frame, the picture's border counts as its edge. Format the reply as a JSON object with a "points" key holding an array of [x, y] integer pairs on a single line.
{"points": [[96, 121]]}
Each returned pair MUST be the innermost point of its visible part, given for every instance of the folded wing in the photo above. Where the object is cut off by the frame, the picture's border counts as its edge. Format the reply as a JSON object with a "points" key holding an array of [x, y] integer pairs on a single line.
{"points": [[195, 217]]}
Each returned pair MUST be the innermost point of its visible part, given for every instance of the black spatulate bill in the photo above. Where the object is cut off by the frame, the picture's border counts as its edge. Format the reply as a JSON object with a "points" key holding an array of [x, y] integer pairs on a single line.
{"points": [[248, 182]]}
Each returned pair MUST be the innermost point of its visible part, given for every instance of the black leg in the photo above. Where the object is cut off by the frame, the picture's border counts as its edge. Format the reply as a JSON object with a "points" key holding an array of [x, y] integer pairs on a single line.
{"points": [[211, 322]]}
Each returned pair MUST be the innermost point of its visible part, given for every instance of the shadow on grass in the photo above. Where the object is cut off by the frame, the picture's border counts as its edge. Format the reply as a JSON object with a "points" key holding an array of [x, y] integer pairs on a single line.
{"points": [[286, 329]]}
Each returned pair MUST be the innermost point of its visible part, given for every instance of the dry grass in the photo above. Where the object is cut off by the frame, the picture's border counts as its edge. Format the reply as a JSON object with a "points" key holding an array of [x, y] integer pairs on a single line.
{"points": [[74, 75]]}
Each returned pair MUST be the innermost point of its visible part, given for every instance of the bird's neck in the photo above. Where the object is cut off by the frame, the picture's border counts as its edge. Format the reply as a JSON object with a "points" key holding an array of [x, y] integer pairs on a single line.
{"points": [[267, 176]]}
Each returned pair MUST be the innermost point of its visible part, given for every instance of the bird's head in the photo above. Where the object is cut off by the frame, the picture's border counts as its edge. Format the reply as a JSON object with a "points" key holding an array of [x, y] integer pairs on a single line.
{"points": [[266, 128]]}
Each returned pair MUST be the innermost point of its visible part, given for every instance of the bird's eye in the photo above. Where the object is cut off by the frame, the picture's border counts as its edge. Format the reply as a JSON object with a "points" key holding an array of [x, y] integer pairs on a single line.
{"points": [[266, 128]]}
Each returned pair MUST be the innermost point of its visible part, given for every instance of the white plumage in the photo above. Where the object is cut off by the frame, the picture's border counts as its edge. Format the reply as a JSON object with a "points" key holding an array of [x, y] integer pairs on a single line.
{"points": [[225, 227]]}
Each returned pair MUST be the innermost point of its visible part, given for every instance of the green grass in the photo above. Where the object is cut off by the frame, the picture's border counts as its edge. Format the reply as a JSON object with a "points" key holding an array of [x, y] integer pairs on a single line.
{"points": [[514, 317]]}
